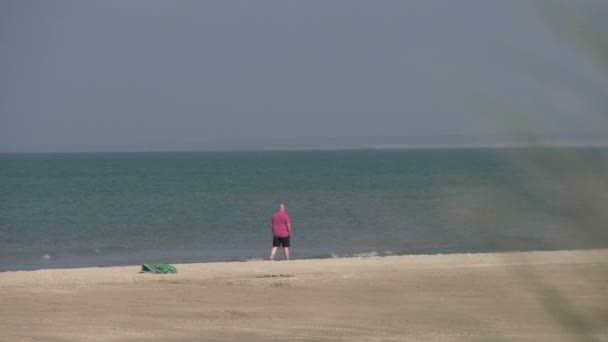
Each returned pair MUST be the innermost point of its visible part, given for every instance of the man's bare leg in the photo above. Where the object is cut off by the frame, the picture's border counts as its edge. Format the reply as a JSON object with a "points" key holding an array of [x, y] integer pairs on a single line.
{"points": [[286, 252], [273, 252]]}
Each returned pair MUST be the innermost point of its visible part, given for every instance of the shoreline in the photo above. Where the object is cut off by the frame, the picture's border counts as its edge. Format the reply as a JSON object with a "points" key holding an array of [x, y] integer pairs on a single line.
{"points": [[520, 296], [129, 273], [249, 259]]}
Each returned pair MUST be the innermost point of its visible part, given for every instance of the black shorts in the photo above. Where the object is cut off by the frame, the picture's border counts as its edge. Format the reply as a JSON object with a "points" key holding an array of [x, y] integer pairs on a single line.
{"points": [[278, 241]]}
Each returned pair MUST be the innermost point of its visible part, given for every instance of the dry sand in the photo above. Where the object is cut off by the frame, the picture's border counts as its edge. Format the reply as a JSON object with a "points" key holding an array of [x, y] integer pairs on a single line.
{"points": [[535, 296]]}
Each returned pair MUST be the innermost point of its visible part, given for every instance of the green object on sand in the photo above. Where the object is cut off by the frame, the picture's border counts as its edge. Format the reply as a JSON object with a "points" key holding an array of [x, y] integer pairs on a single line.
{"points": [[158, 268]]}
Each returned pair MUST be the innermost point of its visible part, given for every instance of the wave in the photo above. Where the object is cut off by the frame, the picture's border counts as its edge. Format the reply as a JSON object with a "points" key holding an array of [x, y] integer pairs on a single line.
{"points": [[254, 259], [369, 254]]}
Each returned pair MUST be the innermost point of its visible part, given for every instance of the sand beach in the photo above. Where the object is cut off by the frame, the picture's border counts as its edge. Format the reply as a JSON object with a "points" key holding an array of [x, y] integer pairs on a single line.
{"points": [[527, 296]]}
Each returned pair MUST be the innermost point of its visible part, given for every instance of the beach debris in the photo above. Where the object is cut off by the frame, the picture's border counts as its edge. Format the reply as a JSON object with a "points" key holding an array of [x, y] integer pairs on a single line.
{"points": [[277, 276]]}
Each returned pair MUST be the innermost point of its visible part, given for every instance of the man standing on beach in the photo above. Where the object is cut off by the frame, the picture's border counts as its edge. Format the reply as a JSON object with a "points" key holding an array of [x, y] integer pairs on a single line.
{"points": [[281, 232]]}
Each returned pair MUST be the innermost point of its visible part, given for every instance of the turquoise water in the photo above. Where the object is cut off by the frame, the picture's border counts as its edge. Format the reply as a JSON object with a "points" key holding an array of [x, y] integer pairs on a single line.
{"points": [[99, 209]]}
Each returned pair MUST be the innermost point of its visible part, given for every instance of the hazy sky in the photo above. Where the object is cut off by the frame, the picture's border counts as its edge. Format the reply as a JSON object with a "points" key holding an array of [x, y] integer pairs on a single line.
{"points": [[129, 75]]}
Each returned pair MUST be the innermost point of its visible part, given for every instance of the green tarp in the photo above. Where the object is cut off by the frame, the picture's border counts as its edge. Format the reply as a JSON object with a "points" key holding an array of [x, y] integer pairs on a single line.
{"points": [[158, 268]]}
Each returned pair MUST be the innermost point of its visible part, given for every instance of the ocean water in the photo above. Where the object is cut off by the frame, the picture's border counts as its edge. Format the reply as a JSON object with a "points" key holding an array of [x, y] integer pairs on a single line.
{"points": [[101, 209]]}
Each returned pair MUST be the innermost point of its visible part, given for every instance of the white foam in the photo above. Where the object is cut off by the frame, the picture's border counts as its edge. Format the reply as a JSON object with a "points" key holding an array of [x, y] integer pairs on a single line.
{"points": [[362, 255], [254, 259], [365, 255], [46, 256]]}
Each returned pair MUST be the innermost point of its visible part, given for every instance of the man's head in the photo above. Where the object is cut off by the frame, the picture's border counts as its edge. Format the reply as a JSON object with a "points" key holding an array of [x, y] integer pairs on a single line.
{"points": [[282, 207]]}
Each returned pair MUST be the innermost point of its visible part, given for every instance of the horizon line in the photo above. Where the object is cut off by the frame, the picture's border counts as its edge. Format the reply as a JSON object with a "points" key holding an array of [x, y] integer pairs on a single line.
{"points": [[374, 147]]}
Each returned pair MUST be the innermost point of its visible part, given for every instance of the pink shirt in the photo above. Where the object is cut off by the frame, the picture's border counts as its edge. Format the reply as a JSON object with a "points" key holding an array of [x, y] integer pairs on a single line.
{"points": [[280, 220]]}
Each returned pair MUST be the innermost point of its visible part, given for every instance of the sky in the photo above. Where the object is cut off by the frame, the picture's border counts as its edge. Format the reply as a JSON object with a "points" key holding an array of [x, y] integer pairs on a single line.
{"points": [[130, 75]]}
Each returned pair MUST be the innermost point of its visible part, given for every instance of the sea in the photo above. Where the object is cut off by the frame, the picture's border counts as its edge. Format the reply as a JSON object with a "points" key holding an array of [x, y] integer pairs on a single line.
{"points": [[66, 210]]}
